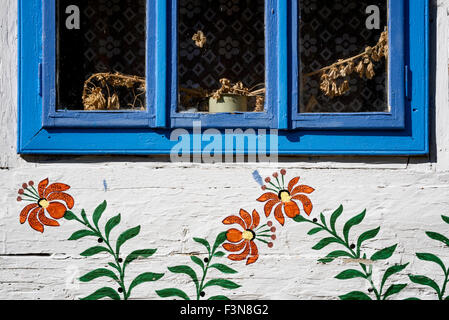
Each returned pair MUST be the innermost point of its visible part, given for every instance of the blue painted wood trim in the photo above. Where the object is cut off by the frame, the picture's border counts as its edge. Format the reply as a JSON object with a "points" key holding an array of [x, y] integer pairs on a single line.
{"points": [[34, 139], [161, 63], [395, 119], [89, 119], [282, 64], [273, 103]]}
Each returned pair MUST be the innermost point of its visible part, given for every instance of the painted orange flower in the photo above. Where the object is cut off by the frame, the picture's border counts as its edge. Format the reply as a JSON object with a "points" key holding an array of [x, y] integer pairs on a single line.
{"points": [[285, 200], [245, 240], [49, 199]]}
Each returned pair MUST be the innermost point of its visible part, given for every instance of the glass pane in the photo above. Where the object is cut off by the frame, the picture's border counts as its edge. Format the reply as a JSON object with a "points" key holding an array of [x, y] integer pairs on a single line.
{"points": [[221, 66], [343, 47], [101, 55]]}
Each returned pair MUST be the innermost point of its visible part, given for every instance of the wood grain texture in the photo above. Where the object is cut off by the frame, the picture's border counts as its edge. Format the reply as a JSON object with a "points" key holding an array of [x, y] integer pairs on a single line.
{"points": [[176, 202]]}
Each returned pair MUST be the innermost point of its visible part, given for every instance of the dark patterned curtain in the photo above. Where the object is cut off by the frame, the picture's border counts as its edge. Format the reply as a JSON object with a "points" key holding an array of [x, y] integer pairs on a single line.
{"points": [[235, 47], [112, 38], [336, 29]]}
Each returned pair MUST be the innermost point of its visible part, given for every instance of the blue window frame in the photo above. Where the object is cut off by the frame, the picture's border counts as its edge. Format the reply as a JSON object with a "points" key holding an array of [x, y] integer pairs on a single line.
{"points": [[403, 131], [98, 119], [275, 35], [395, 119]]}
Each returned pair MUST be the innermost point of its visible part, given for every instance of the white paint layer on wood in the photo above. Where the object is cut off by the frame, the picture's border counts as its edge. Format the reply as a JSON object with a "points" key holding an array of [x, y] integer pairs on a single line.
{"points": [[176, 202]]}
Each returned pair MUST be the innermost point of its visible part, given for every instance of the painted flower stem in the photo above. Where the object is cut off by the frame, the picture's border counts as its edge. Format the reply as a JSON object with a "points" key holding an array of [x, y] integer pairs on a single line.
{"points": [[354, 255], [430, 257], [118, 265], [446, 282], [205, 270], [205, 266]]}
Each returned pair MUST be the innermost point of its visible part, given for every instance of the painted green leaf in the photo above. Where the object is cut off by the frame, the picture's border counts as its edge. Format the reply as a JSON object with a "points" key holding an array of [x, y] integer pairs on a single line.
{"points": [[338, 254], [98, 213], [219, 254], [93, 251], [113, 265], [82, 234], [204, 242], [394, 289], [125, 236], [99, 273], [145, 253], [300, 219], [219, 298], [84, 216], [111, 224], [391, 271], [425, 281], [314, 231], [221, 238], [144, 277], [350, 274], [366, 236], [337, 213], [351, 223], [185, 270], [227, 284], [223, 268], [447, 298], [384, 254], [333, 255], [438, 237], [198, 261], [168, 293], [323, 219], [445, 219], [432, 258], [105, 292], [355, 295], [412, 299], [324, 243], [326, 260], [69, 215]]}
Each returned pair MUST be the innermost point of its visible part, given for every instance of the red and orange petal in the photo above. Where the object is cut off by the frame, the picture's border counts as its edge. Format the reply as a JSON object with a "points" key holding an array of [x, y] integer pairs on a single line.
{"points": [[270, 205], [256, 220], [279, 215], [246, 221], [250, 251], [306, 202], [235, 247], [47, 221], [241, 256], [268, 196], [55, 187], [26, 211], [254, 255], [302, 189], [246, 218], [42, 186], [293, 182], [34, 222], [291, 209], [68, 199], [234, 235], [235, 220], [56, 210]]}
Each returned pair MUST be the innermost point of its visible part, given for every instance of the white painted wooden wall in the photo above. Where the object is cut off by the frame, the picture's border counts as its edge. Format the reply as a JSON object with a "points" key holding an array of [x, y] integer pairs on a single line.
{"points": [[176, 202]]}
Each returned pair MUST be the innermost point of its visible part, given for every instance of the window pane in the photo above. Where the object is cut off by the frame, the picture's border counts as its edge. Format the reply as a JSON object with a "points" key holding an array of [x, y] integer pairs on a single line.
{"points": [[101, 61], [334, 35], [221, 46]]}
